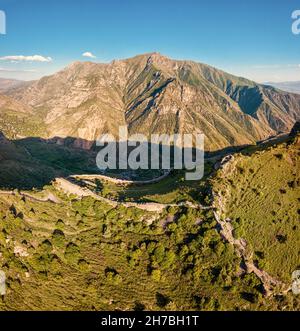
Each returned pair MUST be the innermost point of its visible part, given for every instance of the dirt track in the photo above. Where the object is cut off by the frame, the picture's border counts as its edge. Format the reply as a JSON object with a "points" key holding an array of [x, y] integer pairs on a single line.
{"points": [[72, 188]]}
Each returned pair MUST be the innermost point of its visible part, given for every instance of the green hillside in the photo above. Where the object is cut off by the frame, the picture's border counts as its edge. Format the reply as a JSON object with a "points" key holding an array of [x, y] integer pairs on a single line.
{"points": [[61, 251]]}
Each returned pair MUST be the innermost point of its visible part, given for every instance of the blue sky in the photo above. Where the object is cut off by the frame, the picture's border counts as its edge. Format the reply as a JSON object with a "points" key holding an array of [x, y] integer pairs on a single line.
{"points": [[247, 38]]}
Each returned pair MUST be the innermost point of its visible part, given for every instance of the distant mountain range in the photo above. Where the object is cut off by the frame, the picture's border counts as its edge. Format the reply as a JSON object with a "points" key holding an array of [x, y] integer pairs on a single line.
{"points": [[149, 93], [6, 84], [293, 87]]}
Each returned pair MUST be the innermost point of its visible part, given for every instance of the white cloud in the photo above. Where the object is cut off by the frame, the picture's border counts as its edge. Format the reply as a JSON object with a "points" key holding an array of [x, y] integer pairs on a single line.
{"points": [[30, 58], [89, 54]]}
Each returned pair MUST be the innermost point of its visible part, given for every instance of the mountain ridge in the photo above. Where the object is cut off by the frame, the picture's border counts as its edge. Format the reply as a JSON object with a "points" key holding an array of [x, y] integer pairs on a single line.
{"points": [[8, 83], [151, 93]]}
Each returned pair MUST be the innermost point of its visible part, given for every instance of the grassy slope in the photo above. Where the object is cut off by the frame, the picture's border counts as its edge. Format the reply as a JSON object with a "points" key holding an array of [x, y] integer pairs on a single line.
{"points": [[30, 162], [172, 189], [113, 259], [117, 258], [261, 195]]}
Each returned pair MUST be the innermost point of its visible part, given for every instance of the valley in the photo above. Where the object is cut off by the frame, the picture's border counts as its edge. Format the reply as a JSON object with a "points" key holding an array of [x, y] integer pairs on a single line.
{"points": [[75, 238], [74, 247]]}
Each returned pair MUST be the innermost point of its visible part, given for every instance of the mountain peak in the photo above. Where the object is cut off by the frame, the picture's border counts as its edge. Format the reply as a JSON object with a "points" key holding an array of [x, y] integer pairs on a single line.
{"points": [[76, 64], [156, 57], [153, 93]]}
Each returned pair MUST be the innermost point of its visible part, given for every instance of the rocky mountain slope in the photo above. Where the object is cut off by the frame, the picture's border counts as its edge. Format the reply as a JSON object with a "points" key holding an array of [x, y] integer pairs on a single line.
{"points": [[153, 94], [7, 84], [20, 170], [18, 120], [33, 162]]}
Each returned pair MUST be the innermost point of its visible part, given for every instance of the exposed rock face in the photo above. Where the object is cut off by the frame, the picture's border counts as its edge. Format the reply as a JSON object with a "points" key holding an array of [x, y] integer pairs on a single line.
{"points": [[153, 94], [7, 103], [20, 250]]}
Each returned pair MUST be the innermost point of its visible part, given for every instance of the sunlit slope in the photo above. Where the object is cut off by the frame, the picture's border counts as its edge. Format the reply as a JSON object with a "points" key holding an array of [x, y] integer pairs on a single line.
{"points": [[260, 193]]}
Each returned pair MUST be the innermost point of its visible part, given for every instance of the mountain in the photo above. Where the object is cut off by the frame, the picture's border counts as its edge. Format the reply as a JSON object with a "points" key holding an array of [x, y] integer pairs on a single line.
{"points": [[7, 84], [260, 205], [295, 130], [19, 169], [13, 105], [72, 242], [151, 93], [293, 87], [34, 162], [18, 120]]}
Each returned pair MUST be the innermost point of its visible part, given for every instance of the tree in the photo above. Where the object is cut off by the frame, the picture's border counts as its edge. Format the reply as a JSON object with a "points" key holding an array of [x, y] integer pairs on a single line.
{"points": [[159, 253]]}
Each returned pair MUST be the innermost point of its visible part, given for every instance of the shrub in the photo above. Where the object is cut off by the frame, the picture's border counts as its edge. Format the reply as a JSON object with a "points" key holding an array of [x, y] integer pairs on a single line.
{"points": [[72, 253], [113, 276], [60, 224], [156, 275], [83, 264], [58, 238], [281, 238], [46, 246], [162, 300]]}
